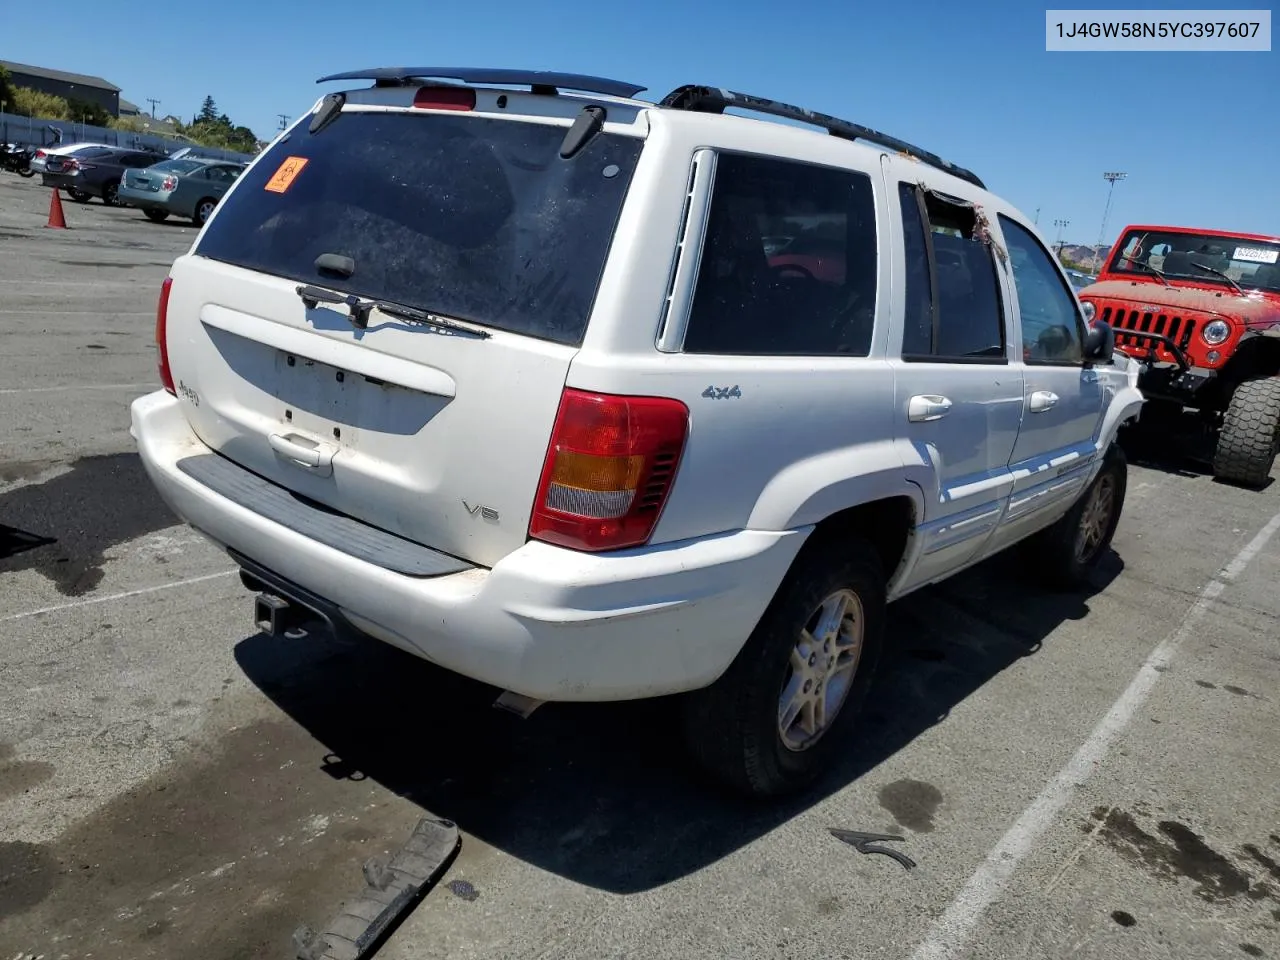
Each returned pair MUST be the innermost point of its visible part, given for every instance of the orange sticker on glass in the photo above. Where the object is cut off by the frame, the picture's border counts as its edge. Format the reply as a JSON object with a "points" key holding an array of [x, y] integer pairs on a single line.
{"points": [[283, 178]]}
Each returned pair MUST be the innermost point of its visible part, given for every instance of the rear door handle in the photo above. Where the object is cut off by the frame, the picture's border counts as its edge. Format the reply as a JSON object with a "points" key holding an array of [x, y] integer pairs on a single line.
{"points": [[927, 406], [1042, 400], [303, 452]]}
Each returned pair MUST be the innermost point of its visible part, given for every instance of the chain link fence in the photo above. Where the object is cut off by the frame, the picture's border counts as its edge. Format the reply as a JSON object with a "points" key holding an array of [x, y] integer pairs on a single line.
{"points": [[40, 133]]}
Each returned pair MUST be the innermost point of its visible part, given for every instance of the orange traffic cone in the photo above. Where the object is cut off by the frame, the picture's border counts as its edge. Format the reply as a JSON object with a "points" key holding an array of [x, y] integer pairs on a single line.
{"points": [[56, 219]]}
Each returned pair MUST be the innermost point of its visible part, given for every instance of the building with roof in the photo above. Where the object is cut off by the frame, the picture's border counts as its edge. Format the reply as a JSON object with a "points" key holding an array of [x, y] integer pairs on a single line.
{"points": [[60, 83]]}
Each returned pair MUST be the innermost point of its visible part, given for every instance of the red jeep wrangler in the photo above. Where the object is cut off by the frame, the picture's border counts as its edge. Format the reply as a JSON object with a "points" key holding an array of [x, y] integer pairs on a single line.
{"points": [[1202, 309]]}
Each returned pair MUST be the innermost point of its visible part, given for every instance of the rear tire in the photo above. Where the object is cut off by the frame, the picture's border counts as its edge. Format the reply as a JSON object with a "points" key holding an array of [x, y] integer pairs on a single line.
{"points": [[157, 216], [203, 211], [746, 730], [1250, 434], [1066, 553]]}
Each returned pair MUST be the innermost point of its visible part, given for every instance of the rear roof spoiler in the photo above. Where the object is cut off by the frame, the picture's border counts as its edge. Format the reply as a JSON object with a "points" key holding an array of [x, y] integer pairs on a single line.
{"points": [[539, 81]]}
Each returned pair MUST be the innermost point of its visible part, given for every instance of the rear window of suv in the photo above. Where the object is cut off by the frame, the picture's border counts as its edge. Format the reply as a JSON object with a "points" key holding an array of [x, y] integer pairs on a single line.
{"points": [[465, 216], [176, 166]]}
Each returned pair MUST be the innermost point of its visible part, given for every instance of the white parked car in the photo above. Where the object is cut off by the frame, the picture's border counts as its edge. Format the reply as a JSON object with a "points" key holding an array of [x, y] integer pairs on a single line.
{"points": [[592, 398], [40, 158]]}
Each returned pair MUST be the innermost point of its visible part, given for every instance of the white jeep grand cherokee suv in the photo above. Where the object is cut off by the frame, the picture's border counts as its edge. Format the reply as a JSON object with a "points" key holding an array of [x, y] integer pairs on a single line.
{"points": [[594, 398]]}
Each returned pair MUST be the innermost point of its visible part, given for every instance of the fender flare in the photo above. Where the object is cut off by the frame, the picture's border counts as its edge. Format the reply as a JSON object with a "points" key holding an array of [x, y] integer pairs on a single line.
{"points": [[808, 491]]}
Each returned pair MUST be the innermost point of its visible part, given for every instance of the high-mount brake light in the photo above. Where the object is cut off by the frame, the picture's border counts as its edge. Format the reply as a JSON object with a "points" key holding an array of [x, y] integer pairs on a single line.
{"points": [[445, 98], [162, 336], [609, 470]]}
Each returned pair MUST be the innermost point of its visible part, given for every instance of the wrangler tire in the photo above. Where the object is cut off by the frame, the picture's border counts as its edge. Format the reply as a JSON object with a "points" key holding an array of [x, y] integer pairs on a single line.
{"points": [[1250, 434], [734, 728], [1063, 557]]}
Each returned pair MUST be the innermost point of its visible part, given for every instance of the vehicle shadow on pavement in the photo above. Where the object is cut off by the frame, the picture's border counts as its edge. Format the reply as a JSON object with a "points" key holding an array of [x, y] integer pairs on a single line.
{"points": [[1181, 451], [600, 793]]}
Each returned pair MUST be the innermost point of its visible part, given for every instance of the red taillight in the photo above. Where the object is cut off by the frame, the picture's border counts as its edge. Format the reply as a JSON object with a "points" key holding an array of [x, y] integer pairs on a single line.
{"points": [[445, 98], [162, 345], [609, 468], [168, 183], [39, 154]]}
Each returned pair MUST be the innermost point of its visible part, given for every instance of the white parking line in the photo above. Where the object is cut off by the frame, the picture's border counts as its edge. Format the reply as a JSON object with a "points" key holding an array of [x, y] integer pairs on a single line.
{"points": [[40, 312], [82, 386], [952, 930], [75, 283], [116, 596]]}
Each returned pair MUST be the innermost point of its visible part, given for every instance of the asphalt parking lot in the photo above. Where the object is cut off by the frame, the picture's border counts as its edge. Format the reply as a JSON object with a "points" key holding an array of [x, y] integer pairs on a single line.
{"points": [[1084, 776]]}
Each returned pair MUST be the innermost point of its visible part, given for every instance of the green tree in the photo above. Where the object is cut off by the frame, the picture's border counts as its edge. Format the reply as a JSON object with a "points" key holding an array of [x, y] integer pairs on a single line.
{"points": [[86, 112], [33, 103], [6, 88], [208, 111]]}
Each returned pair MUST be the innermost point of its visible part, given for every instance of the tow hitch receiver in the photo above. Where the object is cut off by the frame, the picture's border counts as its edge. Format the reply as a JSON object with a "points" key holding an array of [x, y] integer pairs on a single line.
{"points": [[277, 617]]}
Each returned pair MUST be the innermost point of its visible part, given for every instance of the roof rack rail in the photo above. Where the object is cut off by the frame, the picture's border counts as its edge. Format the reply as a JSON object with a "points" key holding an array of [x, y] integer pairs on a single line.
{"points": [[702, 99], [540, 81]]}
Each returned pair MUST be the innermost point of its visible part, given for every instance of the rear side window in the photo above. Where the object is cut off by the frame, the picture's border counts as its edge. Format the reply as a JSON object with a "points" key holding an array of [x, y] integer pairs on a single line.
{"points": [[788, 264], [953, 307], [473, 218]]}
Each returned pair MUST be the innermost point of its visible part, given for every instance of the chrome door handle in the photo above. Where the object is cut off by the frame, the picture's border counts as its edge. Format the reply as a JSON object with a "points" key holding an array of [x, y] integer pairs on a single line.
{"points": [[302, 451], [927, 406], [1042, 400]]}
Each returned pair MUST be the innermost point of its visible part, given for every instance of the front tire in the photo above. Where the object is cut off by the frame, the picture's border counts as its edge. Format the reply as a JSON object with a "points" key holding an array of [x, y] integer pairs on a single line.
{"points": [[785, 708], [1250, 434], [1066, 553], [111, 195]]}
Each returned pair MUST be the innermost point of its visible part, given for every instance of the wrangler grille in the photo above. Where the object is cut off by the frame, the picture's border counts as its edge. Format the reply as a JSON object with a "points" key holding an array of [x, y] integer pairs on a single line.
{"points": [[1177, 328]]}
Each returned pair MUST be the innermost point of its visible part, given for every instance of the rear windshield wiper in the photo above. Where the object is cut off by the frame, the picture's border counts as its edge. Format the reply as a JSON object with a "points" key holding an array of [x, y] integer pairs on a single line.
{"points": [[1158, 273], [1201, 266], [426, 317], [360, 309]]}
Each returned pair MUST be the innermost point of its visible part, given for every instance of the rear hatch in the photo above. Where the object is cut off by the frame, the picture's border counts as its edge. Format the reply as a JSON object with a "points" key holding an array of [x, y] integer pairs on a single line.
{"points": [[435, 433]]}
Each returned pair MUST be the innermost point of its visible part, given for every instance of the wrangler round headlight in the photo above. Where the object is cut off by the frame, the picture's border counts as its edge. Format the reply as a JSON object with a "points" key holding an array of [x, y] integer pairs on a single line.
{"points": [[1215, 332], [1090, 311]]}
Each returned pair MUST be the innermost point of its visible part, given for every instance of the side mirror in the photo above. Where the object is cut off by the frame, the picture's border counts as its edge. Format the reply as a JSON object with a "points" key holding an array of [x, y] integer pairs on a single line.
{"points": [[1099, 343]]}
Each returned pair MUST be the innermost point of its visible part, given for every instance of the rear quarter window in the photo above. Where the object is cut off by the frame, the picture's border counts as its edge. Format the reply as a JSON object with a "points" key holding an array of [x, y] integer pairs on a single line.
{"points": [[474, 218]]}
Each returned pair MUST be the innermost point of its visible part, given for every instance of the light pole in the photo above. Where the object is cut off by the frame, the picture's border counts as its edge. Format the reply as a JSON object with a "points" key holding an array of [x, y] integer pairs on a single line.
{"points": [[1060, 224], [1111, 178]]}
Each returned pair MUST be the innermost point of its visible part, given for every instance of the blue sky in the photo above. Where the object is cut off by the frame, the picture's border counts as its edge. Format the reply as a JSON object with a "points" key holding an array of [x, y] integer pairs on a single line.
{"points": [[1196, 132]]}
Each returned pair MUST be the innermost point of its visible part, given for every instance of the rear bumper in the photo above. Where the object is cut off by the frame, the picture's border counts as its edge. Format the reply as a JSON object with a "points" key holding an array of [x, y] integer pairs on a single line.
{"points": [[144, 199], [62, 181], [549, 623]]}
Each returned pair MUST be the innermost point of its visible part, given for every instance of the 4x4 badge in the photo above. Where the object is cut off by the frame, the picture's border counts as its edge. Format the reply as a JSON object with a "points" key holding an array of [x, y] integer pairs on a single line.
{"points": [[722, 393]]}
